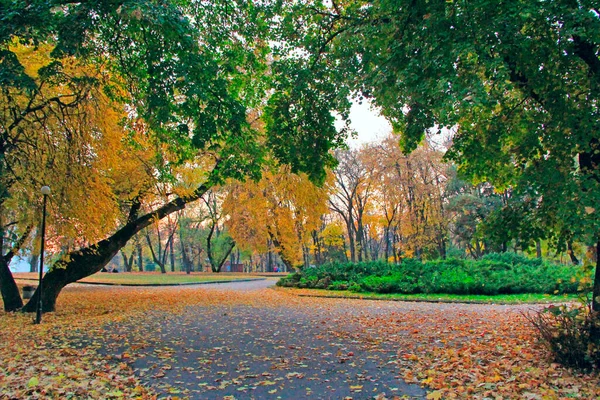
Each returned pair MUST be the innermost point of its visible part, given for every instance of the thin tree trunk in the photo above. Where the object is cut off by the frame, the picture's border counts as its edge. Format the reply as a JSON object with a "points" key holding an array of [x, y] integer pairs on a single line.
{"points": [[140, 257], [127, 261], [11, 296], [34, 261], [596, 289], [571, 253], [184, 256], [156, 260], [172, 254], [538, 249]]}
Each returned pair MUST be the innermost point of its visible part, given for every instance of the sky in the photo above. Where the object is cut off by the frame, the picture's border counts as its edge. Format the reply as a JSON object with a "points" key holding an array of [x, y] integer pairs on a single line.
{"points": [[370, 126]]}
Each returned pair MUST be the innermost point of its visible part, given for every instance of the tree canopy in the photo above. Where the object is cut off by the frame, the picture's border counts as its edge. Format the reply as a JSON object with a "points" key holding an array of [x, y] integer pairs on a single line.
{"points": [[185, 79], [517, 81]]}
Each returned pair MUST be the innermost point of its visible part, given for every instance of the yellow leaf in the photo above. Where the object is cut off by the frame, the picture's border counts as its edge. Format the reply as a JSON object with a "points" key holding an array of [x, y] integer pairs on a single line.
{"points": [[437, 395]]}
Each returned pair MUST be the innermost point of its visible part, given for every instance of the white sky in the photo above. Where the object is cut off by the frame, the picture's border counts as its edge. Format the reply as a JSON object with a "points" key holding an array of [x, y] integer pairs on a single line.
{"points": [[368, 123]]}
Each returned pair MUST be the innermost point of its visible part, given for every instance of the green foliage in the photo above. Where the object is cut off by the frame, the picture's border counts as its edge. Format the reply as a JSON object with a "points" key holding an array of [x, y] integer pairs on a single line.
{"points": [[517, 82], [506, 273]]}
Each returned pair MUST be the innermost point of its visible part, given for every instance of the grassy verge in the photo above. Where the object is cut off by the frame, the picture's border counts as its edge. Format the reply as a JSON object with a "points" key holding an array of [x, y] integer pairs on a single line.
{"points": [[527, 298], [150, 278]]}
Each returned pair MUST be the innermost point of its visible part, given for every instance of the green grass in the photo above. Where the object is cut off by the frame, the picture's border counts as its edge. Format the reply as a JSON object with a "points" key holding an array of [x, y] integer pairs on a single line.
{"points": [[527, 298], [152, 278]]}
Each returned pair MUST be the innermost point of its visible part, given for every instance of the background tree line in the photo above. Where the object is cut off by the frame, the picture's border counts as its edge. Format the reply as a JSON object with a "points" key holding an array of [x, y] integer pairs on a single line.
{"points": [[377, 204]]}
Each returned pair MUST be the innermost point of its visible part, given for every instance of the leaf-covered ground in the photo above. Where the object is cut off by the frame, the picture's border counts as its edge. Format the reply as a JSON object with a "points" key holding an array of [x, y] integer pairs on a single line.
{"points": [[205, 342]]}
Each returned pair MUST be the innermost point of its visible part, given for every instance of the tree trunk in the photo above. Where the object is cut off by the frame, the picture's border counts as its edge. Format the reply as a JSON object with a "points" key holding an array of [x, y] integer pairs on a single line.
{"points": [[184, 256], [172, 254], [34, 262], [156, 260], [269, 260], [9, 289], [217, 264], [596, 289], [350, 228], [571, 253], [442, 249], [127, 261], [84, 262], [538, 248], [140, 257]]}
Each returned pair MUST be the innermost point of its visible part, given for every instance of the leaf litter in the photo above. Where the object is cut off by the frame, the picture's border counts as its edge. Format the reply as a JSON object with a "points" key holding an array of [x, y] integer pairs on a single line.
{"points": [[94, 345]]}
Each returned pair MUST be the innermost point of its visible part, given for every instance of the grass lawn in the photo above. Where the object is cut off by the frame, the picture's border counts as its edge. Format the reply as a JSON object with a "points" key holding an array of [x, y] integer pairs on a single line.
{"points": [[150, 278], [527, 298]]}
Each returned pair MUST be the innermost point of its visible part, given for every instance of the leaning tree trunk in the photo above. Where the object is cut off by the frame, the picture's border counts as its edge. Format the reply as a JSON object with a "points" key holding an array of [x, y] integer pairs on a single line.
{"points": [[10, 291], [8, 287], [79, 264]]}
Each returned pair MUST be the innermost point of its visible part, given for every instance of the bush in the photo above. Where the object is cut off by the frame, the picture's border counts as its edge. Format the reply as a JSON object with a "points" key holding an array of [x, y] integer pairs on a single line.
{"points": [[571, 333], [505, 273], [396, 283]]}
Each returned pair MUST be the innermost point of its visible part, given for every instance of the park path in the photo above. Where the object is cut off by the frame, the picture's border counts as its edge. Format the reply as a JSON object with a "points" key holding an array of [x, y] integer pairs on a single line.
{"points": [[270, 345], [246, 340]]}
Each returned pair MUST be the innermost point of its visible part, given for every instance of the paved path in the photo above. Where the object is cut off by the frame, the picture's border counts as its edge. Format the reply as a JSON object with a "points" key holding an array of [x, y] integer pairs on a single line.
{"points": [[261, 351]]}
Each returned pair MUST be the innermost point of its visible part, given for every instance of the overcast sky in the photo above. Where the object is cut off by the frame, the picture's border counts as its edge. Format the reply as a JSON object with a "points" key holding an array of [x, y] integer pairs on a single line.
{"points": [[369, 125]]}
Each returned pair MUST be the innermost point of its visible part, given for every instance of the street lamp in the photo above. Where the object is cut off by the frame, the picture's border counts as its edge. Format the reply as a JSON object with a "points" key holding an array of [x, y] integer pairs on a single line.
{"points": [[38, 312]]}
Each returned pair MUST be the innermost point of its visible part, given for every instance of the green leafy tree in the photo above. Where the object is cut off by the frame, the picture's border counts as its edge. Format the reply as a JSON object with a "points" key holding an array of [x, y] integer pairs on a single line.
{"points": [[187, 73], [518, 81]]}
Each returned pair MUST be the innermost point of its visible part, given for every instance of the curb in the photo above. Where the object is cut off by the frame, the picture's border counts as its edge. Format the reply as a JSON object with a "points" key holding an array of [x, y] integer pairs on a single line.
{"points": [[442, 301], [159, 284]]}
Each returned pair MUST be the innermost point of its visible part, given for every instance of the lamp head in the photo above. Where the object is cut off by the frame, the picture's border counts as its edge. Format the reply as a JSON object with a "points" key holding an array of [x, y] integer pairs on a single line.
{"points": [[45, 190]]}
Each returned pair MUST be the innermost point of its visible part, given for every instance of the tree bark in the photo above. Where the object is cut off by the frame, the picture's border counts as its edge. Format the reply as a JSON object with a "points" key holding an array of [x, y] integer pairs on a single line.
{"points": [[156, 260], [11, 296], [571, 253], [84, 262], [127, 261], [140, 257], [596, 289], [172, 254], [184, 256], [10, 291]]}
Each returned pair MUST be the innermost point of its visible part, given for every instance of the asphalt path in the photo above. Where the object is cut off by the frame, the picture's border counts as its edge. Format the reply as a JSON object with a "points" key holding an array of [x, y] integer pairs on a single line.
{"points": [[260, 351]]}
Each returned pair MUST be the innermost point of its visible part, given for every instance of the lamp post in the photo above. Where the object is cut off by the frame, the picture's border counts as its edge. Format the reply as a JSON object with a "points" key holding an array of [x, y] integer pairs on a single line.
{"points": [[38, 314]]}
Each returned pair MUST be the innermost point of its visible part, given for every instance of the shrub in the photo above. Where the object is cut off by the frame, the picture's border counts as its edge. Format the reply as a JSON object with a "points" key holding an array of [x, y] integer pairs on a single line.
{"points": [[571, 333], [289, 281], [338, 285], [505, 273], [355, 287], [397, 283]]}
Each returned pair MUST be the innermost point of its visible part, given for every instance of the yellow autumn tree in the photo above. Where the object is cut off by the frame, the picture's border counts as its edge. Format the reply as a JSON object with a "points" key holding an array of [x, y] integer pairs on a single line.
{"points": [[282, 208], [70, 135]]}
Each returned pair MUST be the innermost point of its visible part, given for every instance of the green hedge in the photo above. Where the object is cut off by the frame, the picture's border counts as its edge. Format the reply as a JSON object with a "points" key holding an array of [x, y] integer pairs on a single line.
{"points": [[504, 273]]}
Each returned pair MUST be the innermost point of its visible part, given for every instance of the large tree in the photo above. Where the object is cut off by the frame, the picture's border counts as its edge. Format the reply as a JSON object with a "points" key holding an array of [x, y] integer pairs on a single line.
{"points": [[518, 81], [185, 73]]}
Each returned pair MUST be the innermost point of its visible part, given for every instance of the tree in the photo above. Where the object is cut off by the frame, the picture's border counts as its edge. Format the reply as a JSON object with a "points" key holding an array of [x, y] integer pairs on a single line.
{"points": [[351, 189], [518, 81], [282, 209], [412, 193], [186, 74], [219, 243]]}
